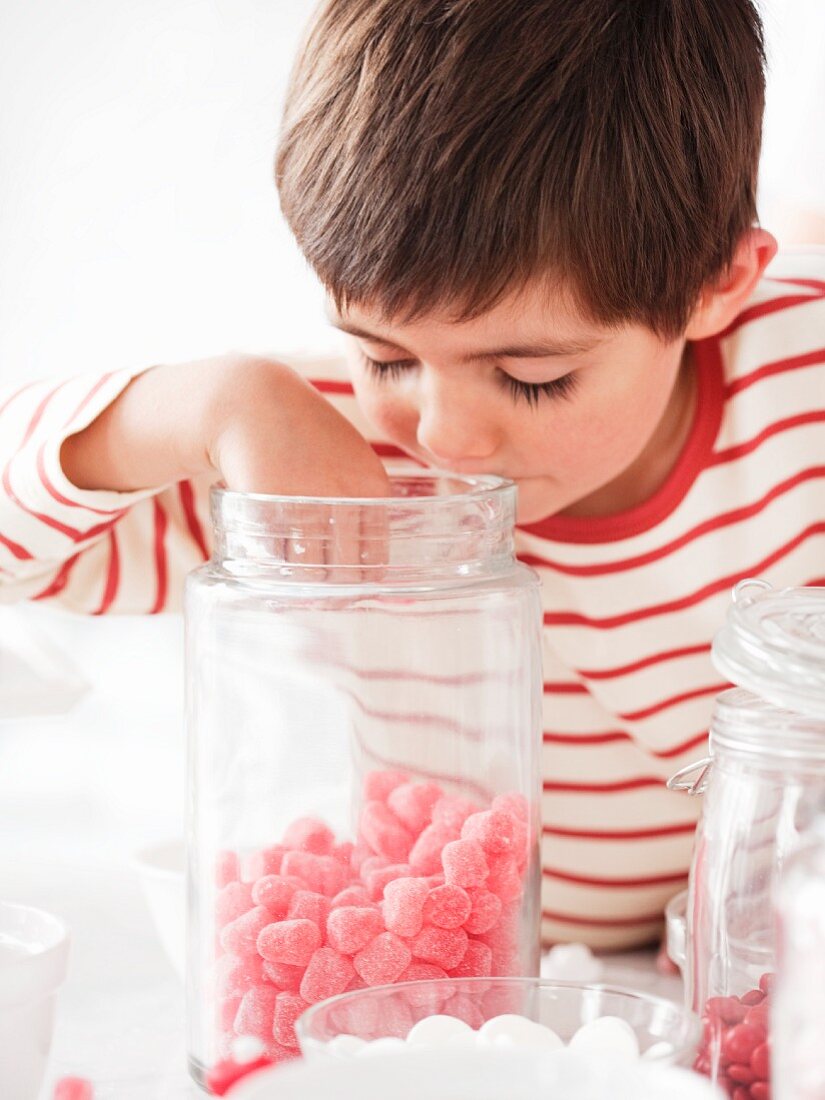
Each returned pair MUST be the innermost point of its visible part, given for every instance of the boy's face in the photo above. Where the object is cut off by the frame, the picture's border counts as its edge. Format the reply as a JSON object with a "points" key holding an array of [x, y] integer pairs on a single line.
{"points": [[529, 391]]}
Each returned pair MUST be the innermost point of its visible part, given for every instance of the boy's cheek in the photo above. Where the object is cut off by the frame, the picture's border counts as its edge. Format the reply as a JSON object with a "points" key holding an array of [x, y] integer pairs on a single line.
{"points": [[393, 418]]}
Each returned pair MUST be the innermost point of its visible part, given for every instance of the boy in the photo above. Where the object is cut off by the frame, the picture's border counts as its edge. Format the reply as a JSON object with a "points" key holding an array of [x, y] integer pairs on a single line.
{"points": [[535, 221]]}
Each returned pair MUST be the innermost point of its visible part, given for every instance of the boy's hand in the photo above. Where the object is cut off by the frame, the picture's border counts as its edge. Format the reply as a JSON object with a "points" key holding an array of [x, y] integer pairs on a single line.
{"points": [[254, 422]]}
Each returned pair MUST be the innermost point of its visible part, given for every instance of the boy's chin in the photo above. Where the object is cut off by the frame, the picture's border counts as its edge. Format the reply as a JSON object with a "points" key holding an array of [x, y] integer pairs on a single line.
{"points": [[538, 498]]}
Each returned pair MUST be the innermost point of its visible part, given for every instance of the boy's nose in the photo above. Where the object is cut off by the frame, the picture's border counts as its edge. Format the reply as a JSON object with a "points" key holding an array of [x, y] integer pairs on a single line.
{"points": [[455, 436]]}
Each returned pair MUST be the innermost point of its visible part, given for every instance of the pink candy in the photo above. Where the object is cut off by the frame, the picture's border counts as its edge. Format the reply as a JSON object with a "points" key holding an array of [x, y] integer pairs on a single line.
{"points": [[328, 974], [352, 895], [379, 784], [265, 862], [286, 977], [227, 868], [275, 892], [384, 960], [425, 856], [238, 973], [377, 880], [241, 935], [477, 962], [350, 928], [384, 832], [496, 831], [404, 900], [289, 941], [310, 835], [445, 947], [256, 1012], [447, 906], [451, 812], [412, 804], [308, 906], [232, 902], [73, 1088], [321, 874], [484, 913], [288, 1007], [464, 863]]}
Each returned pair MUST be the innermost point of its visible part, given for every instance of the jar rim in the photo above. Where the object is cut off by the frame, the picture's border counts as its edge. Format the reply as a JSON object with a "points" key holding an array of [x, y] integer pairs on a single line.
{"points": [[478, 485], [743, 721]]}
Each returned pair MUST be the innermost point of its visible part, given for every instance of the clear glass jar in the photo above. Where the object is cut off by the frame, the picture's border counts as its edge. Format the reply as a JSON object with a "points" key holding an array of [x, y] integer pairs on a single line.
{"points": [[765, 771], [798, 1010], [364, 720]]}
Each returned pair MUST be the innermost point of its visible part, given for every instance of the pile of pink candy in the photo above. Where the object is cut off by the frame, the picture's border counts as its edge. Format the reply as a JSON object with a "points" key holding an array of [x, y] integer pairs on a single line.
{"points": [[735, 1030], [431, 888]]}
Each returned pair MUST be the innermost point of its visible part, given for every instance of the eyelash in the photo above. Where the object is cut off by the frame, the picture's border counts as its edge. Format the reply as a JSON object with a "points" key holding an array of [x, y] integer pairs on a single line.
{"points": [[531, 392]]}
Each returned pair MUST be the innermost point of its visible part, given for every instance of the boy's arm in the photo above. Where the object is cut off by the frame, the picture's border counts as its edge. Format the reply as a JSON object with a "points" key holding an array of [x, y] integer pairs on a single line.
{"points": [[104, 479]]}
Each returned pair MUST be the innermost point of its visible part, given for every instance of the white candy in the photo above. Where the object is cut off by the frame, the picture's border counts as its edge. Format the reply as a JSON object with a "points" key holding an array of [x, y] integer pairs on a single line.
{"points": [[381, 1046], [246, 1048], [517, 1031], [345, 1045], [608, 1036], [658, 1050], [438, 1031], [571, 962]]}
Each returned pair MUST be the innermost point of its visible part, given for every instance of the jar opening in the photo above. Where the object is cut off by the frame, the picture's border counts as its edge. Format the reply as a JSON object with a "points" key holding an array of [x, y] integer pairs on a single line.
{"points": [[435, 523], [746, 724]]}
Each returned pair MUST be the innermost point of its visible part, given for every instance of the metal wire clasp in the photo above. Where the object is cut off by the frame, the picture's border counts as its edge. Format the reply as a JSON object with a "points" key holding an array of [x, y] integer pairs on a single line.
{"points": [[681, 781]]}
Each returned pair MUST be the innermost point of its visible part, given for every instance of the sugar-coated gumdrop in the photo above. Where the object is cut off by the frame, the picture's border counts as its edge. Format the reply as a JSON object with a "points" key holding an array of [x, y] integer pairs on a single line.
{"points": [[306, 905], [284, 976], [241, 935], [328, 974], [275, 892], [361, 851], [308, 834], [288, 1007], [450, 813], [464, 863], [227, 1010], [351, 928], [235, 974], [497, 832], [343, 852], [403, 907], [233, 901], [227, 868], [484, 912], [443, 946], [289, 941], [321, 874], [384, 832], [356, 895], [433, 996], [266, 861], [377, 880], [425, 855], [513, 803], [378, 784], [447, 906], [412, 804], [256, 1012], [504, 878], [383, 960], [476, 963], [465, 1007], [73, 1088]]}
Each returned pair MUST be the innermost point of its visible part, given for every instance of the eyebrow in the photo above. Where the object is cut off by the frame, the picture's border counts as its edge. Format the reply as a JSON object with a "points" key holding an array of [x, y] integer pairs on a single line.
{"points": [[547, 350]]}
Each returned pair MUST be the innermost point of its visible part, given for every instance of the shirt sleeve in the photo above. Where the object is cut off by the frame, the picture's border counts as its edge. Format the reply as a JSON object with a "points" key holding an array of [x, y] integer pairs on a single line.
{"points": [[91, 551]]}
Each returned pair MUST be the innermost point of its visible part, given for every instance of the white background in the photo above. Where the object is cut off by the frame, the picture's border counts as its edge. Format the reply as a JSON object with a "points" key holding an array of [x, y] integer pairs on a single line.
{"points": [[139, 223]]}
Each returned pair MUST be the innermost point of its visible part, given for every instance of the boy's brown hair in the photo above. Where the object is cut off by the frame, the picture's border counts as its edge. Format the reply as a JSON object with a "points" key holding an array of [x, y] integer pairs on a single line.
{"points": [[441, 153]]}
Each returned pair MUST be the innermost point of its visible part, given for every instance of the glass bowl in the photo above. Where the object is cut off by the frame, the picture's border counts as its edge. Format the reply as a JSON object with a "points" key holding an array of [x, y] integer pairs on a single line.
{"points": [[391, 1011]]}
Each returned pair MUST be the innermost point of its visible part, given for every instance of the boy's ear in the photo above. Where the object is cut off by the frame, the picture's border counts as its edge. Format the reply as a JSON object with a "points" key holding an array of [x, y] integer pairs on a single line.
{"points": [[722, 300]]}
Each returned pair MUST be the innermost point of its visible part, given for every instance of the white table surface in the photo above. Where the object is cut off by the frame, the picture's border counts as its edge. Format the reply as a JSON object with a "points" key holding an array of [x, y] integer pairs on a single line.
{"points": [[80, 793]]}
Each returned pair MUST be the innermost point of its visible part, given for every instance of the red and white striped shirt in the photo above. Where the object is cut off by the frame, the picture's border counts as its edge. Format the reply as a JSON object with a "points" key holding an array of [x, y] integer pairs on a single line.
{"points": [[631, 601]]}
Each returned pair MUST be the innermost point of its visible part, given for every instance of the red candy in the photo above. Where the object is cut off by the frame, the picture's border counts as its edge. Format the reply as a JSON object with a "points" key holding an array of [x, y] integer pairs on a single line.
{"points": [[496, 831], [284, 976], [378, 785], [425, 855], [349, 929], [289, 941], [404, 900], [384, 832], [240, 937], [223, 1075], [328, 974], [735, 1035], [352, 895], [310, 835], [377, 880], [477, 962], [288, 1007], [464, 863], [444, 947], [308, 906], [233, 901], [412, 804], [384, 960], [447, 906], [73, 1088], [256, 1012], [485, 911], [266, 862], [275, 892], [321, 874], [450, 813]]}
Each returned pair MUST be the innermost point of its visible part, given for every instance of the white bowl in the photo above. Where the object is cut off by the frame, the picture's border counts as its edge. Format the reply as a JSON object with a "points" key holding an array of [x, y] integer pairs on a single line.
{"points": [[469, 1075], [160, 869], [34, 953]]}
